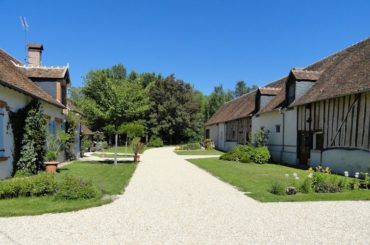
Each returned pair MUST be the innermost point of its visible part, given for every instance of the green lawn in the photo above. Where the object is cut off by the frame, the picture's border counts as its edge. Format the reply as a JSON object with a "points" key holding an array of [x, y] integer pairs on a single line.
{"points": [[199, 152], [111, 179], [111, 155], [122, 149], [258, 178]]}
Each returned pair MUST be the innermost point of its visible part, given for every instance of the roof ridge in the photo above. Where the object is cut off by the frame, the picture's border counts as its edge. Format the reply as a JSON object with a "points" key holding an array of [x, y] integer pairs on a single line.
{"points": [[237, 98], [337, 52]]}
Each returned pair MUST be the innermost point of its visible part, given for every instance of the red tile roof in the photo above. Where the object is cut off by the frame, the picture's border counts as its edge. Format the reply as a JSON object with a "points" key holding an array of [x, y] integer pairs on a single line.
{"points": [[14, 78]]}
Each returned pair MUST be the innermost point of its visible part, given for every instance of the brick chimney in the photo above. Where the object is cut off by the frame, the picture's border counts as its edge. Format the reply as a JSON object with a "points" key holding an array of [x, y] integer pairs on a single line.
{"points": [[34, 54]]}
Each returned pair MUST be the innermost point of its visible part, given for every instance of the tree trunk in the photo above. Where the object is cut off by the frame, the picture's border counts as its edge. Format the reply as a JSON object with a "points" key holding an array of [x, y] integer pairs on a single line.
{"points": [[115, 149]]}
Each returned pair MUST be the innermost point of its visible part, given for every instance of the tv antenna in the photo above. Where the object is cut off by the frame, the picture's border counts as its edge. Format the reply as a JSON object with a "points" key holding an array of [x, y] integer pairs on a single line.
{"points": [[25, 27]]}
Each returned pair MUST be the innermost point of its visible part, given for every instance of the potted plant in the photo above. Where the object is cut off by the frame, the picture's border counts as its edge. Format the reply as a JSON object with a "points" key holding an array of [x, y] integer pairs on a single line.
{"points": [[55, 143], [137, 148]]}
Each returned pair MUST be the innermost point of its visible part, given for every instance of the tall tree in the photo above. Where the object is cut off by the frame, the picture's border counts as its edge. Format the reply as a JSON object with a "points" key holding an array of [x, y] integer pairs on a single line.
{"points": [[172, 109], [216, 99], [240, 88], [111, 101]]}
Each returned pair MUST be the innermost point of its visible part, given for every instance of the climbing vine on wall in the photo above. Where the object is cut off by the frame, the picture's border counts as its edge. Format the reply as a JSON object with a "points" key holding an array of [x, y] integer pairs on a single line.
{"points": [[71, 125], [29, 132]]}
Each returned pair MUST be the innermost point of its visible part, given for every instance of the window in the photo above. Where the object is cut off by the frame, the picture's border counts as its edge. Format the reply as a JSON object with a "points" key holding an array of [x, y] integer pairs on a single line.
{"points": [[277, 128], [207, 133], [233, 135], [318, 143], [2, 131]]}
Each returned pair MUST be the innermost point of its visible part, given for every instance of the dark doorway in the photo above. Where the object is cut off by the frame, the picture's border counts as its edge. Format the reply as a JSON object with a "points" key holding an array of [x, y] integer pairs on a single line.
{"points": [[304, 146]]}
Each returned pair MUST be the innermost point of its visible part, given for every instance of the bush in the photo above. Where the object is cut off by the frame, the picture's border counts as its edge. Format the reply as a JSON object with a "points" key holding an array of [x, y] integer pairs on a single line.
{"points": [[208, 144], [73, 188], [306, 186], [261, 155], [277, 188], [155, 141], [229, 156], [246, 159], [38, 185], [327, 187], [191, 146]]}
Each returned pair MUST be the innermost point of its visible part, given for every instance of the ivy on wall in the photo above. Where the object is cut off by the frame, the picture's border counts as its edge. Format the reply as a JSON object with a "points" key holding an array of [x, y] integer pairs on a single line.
{"points": [[71, 125], [29, 131]]}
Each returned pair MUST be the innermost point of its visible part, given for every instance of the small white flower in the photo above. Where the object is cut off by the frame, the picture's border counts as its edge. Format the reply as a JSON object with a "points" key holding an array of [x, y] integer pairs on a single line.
{"points": [[310, 175], [346, 173], [286, 175], [295, 174], [296, 177], [357, 174]]}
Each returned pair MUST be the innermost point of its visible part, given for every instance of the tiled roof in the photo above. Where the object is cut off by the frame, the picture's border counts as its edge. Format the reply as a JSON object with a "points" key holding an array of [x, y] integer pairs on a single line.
{"points": [[14, 78], [345, 72], [348, 73], [237, 108], [85, 130], [45, 72], [305, 75]]}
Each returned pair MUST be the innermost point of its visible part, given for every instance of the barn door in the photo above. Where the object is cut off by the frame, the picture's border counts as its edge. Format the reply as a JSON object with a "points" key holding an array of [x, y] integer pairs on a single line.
{"points": [[305, 142]]}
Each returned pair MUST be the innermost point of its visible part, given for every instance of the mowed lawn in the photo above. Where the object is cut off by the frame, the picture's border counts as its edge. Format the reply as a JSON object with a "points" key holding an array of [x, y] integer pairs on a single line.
{"points": [[122, 149], [199, 152], [110, 179], [256, 180]]}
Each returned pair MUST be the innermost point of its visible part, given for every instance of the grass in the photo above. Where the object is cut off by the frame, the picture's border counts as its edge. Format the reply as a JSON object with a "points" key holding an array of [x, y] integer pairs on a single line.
{"points": [[258, 178], [109, 178], [110, 155], [122, 149], [199, 152]]}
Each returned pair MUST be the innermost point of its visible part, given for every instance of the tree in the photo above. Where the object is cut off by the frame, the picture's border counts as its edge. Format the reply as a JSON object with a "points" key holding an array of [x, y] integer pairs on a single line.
{"points": [[172, 109], [240, 88], [217, 99], [110, 100]]}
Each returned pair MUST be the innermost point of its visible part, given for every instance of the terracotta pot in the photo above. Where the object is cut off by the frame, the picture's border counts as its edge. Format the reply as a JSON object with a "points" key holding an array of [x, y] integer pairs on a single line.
{"points": [[136, 157], [51, 167]]}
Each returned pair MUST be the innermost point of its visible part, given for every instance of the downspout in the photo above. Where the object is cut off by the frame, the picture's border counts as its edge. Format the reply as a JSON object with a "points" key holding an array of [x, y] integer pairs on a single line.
{"points": [[283, 133]]}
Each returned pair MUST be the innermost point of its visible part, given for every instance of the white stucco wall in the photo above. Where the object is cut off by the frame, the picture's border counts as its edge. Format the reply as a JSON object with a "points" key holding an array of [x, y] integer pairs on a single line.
{"points": [[281, 152], [16, 101], [340, 160]]}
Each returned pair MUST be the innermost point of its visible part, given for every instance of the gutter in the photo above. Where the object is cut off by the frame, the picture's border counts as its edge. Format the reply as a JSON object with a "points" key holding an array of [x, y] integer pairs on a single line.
{"points": [[5, 84]]}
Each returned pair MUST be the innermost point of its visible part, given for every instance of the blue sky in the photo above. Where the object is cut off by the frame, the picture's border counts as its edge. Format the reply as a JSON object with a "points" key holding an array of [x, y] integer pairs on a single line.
{"points": [[203, 42]]}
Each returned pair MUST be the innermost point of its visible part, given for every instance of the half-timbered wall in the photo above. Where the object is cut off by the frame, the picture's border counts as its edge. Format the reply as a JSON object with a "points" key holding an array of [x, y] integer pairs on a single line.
{"points": [[238, 130], [344, 121]]}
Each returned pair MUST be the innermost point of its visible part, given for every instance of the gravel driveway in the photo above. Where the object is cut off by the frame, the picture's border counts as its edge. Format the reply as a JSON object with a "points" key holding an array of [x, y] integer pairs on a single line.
{"points": [[170, 201]]}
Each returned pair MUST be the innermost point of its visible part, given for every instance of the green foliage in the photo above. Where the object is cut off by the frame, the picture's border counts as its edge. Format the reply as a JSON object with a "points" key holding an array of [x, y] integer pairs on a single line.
{"points": [[72, 188], [132, 130], [229, 156], [247, 154], [155, 141], [327, 187], [306, 186], [71, 126], [31, 156], [277, 188], [260, 137], [217, 99], [261, 155], [37, 185], [137, 146], [56, 143], [208, 144], [173, 110], [190, 146]]}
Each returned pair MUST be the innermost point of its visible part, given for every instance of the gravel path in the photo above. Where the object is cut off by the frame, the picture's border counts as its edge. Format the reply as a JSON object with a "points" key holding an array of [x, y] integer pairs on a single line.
{"points": [[170, 201]]}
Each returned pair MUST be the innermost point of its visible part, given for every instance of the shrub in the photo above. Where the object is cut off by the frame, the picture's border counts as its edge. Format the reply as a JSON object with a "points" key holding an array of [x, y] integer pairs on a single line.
{"points": [[155, 141], [137, 146], [38, 185], [306, 186], [229, 156], [277, 188], [208, 144], [261, 155], [246, 159], [260, 137], [191, 146], [73, 188], [327, 187], [355, 185]]}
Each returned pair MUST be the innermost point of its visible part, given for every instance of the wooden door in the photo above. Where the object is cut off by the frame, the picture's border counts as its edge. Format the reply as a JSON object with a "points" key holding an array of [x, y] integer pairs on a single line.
{"points": [[304, 142]]}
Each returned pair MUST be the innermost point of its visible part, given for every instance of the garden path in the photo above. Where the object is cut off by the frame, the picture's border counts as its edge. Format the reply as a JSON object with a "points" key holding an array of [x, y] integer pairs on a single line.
{"points": [[170, 201]]}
